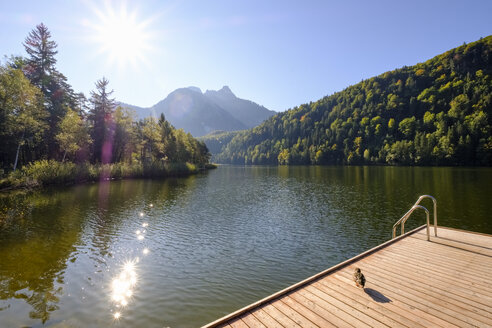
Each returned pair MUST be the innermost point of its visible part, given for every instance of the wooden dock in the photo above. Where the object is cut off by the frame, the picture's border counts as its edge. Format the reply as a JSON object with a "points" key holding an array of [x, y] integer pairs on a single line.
{"points": [[411, 282]]}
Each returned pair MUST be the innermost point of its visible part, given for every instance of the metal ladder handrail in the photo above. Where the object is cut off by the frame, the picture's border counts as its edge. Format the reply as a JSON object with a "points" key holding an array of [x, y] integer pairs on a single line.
{"points": [[405, 217]]}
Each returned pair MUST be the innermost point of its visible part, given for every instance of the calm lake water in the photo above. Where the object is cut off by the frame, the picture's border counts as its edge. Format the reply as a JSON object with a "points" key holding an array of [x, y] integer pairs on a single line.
{"points": [[183, 252]]}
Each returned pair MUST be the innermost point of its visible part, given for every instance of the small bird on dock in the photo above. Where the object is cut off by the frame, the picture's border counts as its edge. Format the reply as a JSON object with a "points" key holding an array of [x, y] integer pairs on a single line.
{"points": [[359, 278]]}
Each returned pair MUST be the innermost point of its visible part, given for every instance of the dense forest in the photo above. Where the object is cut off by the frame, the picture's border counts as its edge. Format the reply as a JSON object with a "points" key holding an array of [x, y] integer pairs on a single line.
{"points": [[43, 119], [216, 141], [434, 113]]}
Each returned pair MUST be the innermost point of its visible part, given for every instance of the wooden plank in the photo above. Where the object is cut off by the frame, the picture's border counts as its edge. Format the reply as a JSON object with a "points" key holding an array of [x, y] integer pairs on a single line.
{"points": [[279, 316], [266, 319], [473, 238], [469, 266], [377, 318], [457, 245], [438, 263], [386, 312], [251, 321], [418, 300], [452, 276], [403, 300], [424, 293], [447, 244], [459, 271], [317, 309], [416, 314], [341, 315], [461, 290], [448, 279], [456, 256], [367, 320], [238, 323], [293, 315], [423, 284], [306, 312]]}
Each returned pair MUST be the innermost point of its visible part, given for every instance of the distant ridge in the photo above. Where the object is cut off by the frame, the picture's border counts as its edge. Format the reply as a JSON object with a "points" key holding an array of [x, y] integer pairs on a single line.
{"points": [[201, 113], [246, 111]]}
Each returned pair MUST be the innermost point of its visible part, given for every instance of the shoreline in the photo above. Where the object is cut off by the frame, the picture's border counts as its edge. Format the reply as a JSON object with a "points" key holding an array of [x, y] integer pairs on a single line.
{"points": [[43, 174]]}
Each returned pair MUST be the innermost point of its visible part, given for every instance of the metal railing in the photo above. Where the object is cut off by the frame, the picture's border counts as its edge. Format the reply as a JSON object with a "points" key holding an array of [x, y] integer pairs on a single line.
{"points": [[405, 217]]}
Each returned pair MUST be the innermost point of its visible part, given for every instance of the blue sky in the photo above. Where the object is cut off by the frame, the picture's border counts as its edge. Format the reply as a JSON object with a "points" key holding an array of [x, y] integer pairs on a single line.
{"points": [[277, 53]]}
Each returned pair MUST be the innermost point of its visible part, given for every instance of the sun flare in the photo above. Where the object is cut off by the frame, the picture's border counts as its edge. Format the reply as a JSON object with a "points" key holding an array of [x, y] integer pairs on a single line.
{"points": [[122, 36]]}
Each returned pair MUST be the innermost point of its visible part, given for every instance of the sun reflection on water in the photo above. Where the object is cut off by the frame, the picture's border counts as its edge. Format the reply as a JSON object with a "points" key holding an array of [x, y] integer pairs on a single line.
{"points": [[123, 284]]}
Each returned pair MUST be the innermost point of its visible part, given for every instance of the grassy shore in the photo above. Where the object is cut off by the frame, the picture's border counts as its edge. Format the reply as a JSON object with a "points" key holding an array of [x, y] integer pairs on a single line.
{"points": [[44, 173]]}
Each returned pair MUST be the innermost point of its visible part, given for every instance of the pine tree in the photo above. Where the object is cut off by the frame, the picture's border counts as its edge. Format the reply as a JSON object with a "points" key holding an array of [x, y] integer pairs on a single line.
{"points": [[41, 61], [101, 117], [40, 69]]}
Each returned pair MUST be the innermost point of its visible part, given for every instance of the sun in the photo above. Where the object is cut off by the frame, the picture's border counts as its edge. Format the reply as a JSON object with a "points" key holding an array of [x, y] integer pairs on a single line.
{"points": [[122, 37]]}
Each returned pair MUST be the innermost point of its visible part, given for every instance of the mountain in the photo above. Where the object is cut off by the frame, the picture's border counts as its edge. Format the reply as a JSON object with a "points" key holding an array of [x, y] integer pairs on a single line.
{"points": [[201, 113], [434, 113], [140, 112], [246, 111], [189, 109]]}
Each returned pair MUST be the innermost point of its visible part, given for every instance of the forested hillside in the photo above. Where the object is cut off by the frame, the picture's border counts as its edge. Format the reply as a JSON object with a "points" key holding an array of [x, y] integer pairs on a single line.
{"points": [[217, 141], [434, 113]]}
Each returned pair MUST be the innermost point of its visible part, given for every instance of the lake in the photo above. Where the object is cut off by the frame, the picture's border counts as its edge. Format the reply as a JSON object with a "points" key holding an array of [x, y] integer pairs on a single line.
{"points": [[183, 252]]}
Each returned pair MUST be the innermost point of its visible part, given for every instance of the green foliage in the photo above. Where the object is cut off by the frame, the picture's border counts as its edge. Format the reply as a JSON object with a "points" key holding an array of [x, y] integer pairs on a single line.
{"points": [[40, 69], [22, 120], [101, 119], [50, 172], [39, 129], [217, 140], [434, 113], [73, 134], [46, 172]]}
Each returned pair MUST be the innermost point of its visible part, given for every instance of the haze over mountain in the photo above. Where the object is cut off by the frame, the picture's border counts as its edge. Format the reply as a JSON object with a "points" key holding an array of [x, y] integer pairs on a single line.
{"points": [[201, 113], [246, 111]]}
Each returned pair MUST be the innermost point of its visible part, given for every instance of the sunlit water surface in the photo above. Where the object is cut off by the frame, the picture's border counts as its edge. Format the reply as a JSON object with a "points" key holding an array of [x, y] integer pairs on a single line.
{"points": [[183, 252]]}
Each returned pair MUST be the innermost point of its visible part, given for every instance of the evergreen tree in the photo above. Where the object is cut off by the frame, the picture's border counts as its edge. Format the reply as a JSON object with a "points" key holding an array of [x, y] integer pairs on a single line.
{"points": [[124, 135], [36, 119], [40, 68], [41, 61], [101, 117], [168, 139]]}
